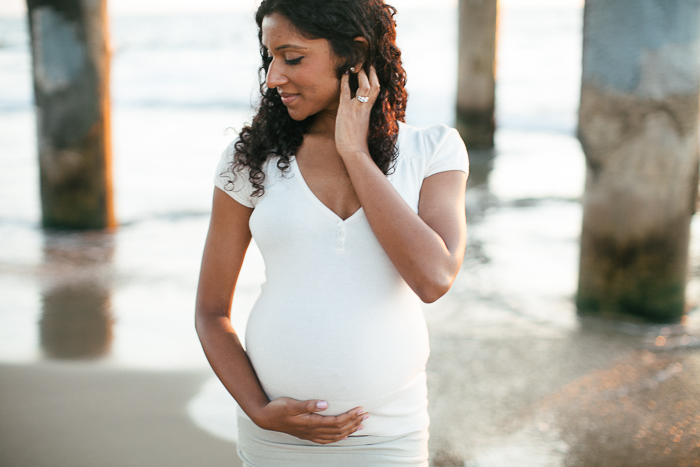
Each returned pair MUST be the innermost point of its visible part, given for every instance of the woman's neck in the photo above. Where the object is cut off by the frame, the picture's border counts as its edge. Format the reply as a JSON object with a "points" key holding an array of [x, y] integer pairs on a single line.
{"points": [[324, 123]]}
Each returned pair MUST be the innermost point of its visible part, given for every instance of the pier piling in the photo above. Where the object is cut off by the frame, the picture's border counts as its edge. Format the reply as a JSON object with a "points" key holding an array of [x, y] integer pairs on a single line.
{"points": [[638, 126], [476, 72], [70, 55]]}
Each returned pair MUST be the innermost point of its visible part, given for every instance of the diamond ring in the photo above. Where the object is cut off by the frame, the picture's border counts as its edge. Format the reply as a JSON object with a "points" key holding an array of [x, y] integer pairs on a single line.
{"points": [[362, 99]]}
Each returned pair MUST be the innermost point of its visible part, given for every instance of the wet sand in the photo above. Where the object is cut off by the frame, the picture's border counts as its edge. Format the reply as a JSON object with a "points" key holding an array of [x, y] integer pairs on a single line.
{"points": [[86, 415]]}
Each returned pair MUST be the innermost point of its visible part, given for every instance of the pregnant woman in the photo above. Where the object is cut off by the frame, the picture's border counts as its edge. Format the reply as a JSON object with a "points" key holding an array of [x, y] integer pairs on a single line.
{"points": [[358, 217]]}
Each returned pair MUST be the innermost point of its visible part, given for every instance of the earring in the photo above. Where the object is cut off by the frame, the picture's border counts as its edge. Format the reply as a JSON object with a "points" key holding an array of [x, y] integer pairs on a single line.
{"points": [[352, 68]]}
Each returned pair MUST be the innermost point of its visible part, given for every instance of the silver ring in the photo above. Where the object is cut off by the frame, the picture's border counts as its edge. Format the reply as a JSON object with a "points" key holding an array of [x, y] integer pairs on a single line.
{"points": [[362, 99]]}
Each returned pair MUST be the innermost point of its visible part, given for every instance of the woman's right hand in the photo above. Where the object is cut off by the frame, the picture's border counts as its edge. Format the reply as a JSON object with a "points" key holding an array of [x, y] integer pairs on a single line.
{"points": [[302, 420]]}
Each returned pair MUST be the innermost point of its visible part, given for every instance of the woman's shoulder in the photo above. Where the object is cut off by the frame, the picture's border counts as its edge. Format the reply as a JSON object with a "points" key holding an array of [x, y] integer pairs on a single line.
{"points": [[234, 179], [229, 156], [426, 140], [439, 147]]}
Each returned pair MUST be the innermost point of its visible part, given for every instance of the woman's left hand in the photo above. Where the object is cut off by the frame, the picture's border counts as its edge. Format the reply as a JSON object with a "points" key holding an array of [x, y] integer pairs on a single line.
{"points": [[352, 122]]}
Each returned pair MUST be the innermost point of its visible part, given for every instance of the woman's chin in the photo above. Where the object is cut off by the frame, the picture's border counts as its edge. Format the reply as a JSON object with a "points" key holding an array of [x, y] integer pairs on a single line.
{"points": [[297, 116], [301, 115]]}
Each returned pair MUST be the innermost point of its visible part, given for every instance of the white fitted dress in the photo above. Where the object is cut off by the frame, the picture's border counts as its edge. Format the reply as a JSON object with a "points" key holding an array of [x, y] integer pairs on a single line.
{"points": [[335, 321]]}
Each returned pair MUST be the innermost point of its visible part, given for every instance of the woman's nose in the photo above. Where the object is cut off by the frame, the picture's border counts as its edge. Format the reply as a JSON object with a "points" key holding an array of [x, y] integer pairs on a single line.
{"points": [[274, 78]]}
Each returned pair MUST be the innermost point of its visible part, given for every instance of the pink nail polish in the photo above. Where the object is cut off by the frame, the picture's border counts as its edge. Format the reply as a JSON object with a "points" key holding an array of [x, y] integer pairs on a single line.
{"points": [[360, 428], [322, 405], [365, 417]]}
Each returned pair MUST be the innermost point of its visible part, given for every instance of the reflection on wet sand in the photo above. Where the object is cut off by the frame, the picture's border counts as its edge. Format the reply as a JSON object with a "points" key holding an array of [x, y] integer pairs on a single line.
{"points": [[480, 166], [76, 319]]}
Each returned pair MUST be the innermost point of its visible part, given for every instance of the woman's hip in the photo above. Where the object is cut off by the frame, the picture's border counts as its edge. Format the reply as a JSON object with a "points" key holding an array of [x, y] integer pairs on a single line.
{"points": [[263, 448]]}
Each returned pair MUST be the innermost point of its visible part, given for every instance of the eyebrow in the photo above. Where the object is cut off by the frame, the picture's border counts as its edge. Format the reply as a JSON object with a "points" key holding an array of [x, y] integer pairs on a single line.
{"points": [[289, 46]]}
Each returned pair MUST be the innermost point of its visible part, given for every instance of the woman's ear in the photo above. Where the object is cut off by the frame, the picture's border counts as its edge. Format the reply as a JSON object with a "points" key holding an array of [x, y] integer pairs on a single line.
{"points": [[358, 66]]}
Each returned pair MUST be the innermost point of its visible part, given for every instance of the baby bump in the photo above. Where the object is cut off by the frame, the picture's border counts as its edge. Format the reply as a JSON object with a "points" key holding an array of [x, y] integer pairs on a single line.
{"points": [[320, 351]]}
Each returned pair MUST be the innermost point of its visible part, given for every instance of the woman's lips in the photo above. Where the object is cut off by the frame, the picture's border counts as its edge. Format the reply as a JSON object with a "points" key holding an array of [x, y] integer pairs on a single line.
{"points": [[288, 98]]}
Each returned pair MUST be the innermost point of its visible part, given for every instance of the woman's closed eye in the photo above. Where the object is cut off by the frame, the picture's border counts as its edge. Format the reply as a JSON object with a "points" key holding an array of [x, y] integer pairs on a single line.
{"points": [[293, 61]]}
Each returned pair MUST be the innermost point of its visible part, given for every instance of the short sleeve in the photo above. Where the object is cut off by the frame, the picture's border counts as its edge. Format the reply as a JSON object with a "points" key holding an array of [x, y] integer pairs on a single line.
{"points": [[235, 184], [449, 152]]}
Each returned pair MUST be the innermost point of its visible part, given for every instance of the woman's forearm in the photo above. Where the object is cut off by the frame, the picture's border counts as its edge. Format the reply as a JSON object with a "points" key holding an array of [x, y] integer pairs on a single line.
{"points": [[224, 252], [230, 362], [422, 257], [427, 250]]}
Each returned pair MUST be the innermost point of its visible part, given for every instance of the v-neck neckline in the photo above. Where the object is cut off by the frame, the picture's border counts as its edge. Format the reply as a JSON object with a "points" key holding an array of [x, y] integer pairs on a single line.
{"points": [[317, 201]]}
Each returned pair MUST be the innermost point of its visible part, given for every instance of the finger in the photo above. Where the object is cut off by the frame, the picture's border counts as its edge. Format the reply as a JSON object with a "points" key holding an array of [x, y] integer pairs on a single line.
{"points": [[345, 87], [355, 415], [331, 430], [347, 431], [350, 415], [363, 81], [325, 441], [310, 406], [333, 434], [355, 423], [327, 422], [329, 438], [350, 430], [374, 81], [327, 433], [315, 423], [342, 420]]}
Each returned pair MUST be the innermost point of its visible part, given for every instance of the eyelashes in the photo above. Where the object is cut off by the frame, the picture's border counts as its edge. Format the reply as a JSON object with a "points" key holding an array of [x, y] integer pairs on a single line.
{"points": [[295, 61]]}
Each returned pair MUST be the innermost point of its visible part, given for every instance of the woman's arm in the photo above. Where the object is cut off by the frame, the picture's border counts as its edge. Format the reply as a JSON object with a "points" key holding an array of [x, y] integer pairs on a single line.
{"points": [[225, 248], [426, 248]]}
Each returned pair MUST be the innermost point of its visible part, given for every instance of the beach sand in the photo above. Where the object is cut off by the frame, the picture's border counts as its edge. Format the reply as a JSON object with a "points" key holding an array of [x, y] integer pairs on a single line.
{"points": [[87, 414]]}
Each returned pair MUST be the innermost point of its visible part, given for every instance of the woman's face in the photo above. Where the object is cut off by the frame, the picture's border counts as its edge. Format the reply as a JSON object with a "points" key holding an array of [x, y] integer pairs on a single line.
{"points": [[302, 69]]}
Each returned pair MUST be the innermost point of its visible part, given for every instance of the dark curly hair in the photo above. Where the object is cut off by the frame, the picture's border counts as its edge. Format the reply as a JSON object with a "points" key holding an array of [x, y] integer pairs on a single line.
{"points": [[274, 133]]}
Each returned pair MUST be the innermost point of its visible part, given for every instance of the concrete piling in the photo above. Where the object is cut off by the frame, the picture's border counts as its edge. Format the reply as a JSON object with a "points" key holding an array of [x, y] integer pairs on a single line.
{"points": [[476, 72], [70, 52], [638, 126]]}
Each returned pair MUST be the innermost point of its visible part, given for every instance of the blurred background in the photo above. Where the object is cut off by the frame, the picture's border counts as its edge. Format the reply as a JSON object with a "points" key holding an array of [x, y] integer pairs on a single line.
{"points": [[99, 360]]}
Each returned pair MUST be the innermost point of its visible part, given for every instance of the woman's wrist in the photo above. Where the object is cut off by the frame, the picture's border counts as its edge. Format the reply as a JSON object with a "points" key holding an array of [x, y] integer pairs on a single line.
{"points": [[258, 415], [355, 154]]}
